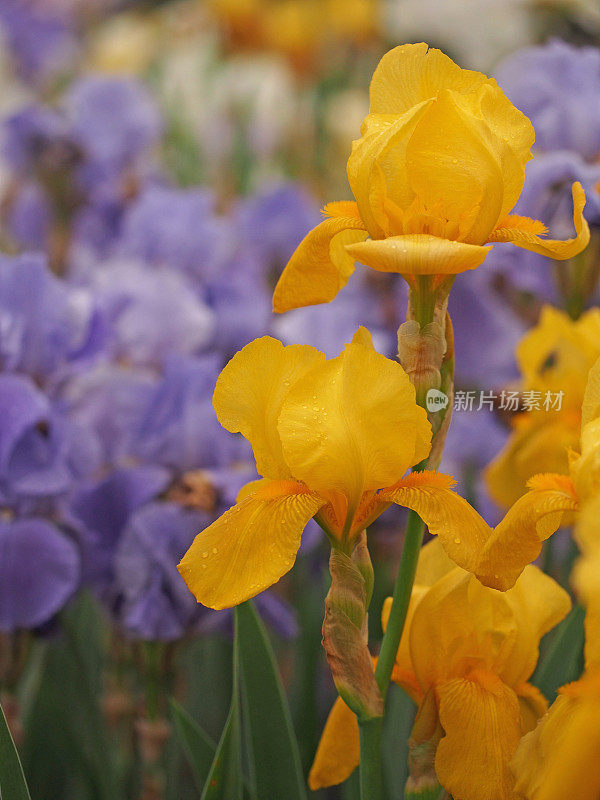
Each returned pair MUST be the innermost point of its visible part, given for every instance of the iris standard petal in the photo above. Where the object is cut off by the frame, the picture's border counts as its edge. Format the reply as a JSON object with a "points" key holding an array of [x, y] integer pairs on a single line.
{"points": [[377, 167], [411, 73], [539, 603], [249, 547], [458, 625], [250, 391], [453, 166], [352, 424]]}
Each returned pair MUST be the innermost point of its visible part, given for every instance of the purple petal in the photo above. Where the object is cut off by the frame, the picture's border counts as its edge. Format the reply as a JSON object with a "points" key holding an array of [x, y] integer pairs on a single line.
{"points": [[39, 571]]}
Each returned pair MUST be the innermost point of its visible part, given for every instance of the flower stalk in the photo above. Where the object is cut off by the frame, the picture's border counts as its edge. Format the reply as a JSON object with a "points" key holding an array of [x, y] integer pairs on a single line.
{"points": [[426, 351]]}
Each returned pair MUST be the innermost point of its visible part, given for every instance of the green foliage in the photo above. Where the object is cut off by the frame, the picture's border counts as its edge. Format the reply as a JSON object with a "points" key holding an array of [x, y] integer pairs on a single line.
{"points": [[12, 780], [274, 751], [563, 659]]}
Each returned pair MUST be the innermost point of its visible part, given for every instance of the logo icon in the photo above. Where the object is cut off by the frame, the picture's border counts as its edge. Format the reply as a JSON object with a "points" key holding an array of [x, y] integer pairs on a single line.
{"points": [[436, 400]]}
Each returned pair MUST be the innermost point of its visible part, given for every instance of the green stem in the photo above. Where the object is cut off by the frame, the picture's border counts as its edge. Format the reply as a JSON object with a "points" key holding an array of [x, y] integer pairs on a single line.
{"points": [[371, 782], [424, 303], [401, 598], [423, 299]]}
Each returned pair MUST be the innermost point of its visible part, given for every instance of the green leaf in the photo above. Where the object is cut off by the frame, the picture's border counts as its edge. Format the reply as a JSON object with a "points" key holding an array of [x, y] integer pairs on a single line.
{"points": [[12, 779], [274, 749], [225, 777], [197, 745], [563, 660], [68, 751]]}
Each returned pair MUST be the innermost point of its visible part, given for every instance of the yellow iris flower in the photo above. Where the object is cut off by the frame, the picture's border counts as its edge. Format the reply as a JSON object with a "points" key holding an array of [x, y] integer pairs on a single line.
{"points": [[326, 436], [439, 166], [465, 658], [554, 357], [299, 29], [560, 757], [333, 439]]}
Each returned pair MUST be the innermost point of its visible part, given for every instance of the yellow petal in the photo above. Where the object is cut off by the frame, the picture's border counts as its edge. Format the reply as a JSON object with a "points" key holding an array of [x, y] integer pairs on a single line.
{"points": [[590, 409], [338, 752], [553, 248], [586, 579], [250, 391], [532, 703], [574, 768], [538, 604], [418, 254], [517, 539], [251, 487], [454, 165], [249, 547], [538, 748], [433, 564], [461, 530], [497, 557], [342, 208], [404, 671], [559, 759], [320, 265], [514, 137], [558, 353], [411, 73], [363, 337], [542, 443], [523, 224], [352, 424], [460, 624], [481, 720], [377, 167]]}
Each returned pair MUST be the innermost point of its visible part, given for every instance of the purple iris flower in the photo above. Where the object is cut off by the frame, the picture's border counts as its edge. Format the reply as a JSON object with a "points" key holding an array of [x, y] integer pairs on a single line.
{"points": [[41, 40], [474, 439], [178, 427], [153, 601], [87, 156], [273, 221], [151, 313], [241, 299], [28, 217], [486, 331], [557, 86], [329, 327], [39, 571], [114, 120], [45, 324], [100, 510], [179, 228], [36, 139], [109, 400], [41, 452]]}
